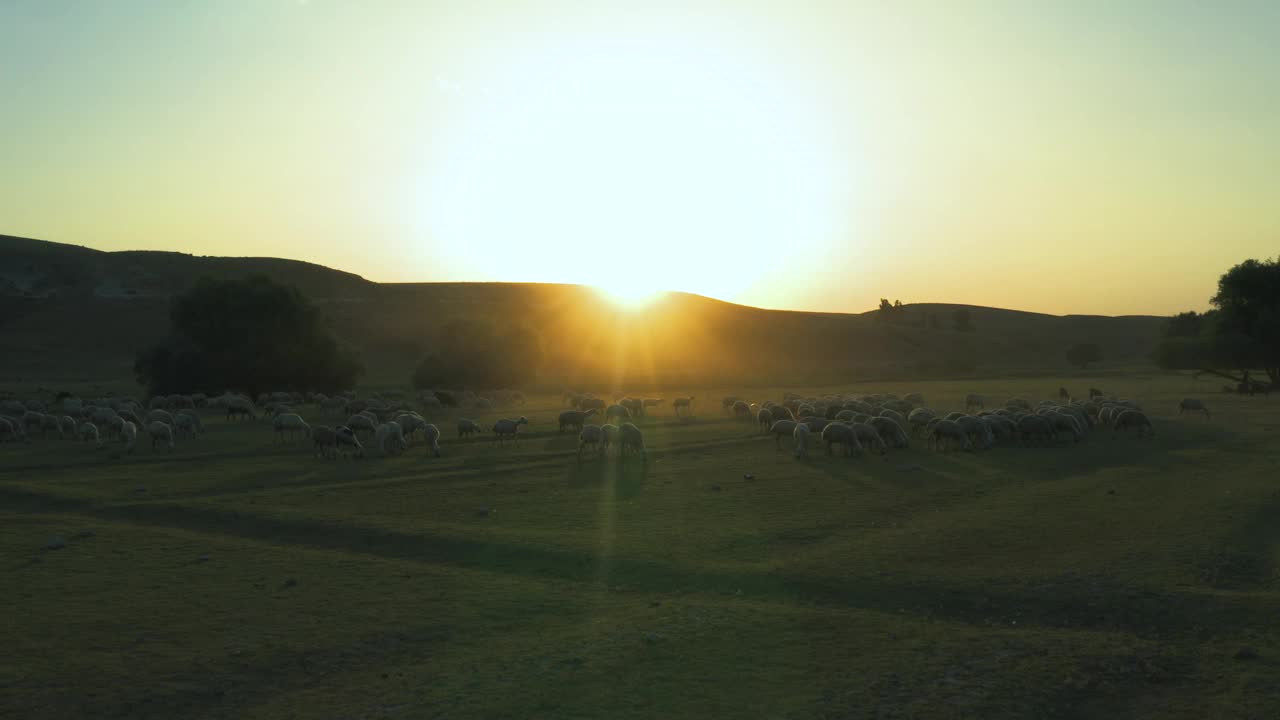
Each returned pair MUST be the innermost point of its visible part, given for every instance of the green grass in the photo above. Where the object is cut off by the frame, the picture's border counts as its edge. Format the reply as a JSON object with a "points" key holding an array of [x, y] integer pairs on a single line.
{"points": [[239, 578]]}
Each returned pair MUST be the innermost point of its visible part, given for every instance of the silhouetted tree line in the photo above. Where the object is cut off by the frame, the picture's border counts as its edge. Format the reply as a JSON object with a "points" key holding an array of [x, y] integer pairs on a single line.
{"points": [[1240, 333], [479, 354], [250, 334]]}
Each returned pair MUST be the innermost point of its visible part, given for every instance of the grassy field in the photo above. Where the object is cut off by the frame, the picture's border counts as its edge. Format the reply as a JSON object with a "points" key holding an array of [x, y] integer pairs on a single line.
{"points": [[239, 578]]}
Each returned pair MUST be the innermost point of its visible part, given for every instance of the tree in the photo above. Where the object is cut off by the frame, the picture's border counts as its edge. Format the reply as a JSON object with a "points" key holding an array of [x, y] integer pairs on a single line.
{"points": [[1241, 332], [250, 334], [890, 311], [1084, 353], [477, 354], [961, 320]]}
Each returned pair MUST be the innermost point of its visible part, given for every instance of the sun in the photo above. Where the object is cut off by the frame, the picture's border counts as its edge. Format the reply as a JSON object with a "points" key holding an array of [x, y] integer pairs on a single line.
{"points": [[628, 295]]}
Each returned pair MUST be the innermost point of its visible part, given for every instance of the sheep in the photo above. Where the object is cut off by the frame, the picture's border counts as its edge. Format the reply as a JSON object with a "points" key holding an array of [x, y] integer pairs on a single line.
{"points": [[635, 405], [727, 403], [1134, 419], [1035, 428], [609, 436], [360, 422], [88, 431], [948, 431], [1063, 421], [974, 401], [239, 406], [128, 436], [765, 419], [50, 422], [325, 440], [431, 437], [782, 428], [682, 403], [160, 432], [815, 423], [1063, 394], [979, 434], [389, 439], [467, 427], [919, 419], [183, 425], [1194, 405], [32, 420], [916, 399], [868, 436], [1095, 392], [505, 427], [801, 437], [742, 410], [196, 425], [891, 432], [590, 403], [347, 439], [66, 425], [291, 422], [573, 419], [652, 402], [591, 435], [632, 439], [409, 424], [620, 412], [841, 434]]}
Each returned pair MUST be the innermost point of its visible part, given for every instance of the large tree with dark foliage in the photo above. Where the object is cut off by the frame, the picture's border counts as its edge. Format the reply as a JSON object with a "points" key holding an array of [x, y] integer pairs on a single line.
{"points": [[1240, 333], [251, 335], [477, 354]]}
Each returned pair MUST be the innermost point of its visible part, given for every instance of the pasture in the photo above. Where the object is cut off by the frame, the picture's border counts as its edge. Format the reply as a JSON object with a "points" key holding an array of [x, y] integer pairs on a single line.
{"points": [[243, 578]]}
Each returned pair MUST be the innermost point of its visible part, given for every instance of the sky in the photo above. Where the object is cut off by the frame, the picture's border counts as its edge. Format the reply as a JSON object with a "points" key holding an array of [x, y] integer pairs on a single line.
{"points": [[1081, 156]]}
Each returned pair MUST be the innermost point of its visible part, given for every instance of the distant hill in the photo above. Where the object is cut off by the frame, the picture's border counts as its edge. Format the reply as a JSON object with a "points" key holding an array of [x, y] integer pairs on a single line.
{"points": [[69, 311]]}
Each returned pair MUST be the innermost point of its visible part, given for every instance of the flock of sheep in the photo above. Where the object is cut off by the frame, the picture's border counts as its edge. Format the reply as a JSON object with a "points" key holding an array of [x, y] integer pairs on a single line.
{"points": [[387, 423]]}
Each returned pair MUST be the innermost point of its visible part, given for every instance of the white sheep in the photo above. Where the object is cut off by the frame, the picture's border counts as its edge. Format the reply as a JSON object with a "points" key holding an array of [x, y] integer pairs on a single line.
{"points": [[410, 423], [505, 427], [291, 423], [347, 439], [184, 425], [67, 425], [609, 434], [238, 405], [389, 439], [128, 436], [431, 436], [359, 423], [844, 435], [782, 428], [467, 427], [325, 441], [1194, 405], [88, 431], [632, 439], [591, 435], [948, 431], [160, 433], [801, 437], [1134, 419]]}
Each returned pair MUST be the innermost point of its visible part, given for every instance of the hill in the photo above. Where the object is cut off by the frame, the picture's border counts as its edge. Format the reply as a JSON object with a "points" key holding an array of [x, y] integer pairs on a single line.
{"points": [[72, 312]]}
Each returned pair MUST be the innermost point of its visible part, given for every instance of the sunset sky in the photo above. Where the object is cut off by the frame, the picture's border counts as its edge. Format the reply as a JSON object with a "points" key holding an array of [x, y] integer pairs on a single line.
{"points": [[1081, 156]]}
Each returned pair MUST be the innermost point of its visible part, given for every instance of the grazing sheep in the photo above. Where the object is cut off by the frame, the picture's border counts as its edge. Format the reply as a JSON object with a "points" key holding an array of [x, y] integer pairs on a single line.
{"points": [[919, 419], [348, 441], [765, 419], [742, 410], [610, 435], [184, 425], [1194, 405], [620, 412], [682, 403], [1064, 422], [727, 403], [291, 423], [801, 437], [974, 401], [389, 439], [160, 433], [979, 434], [238, 406], [409, 424], [635, 405], [573, 419], [597, 404], [325, 440], [844, 435], [915, 398], [361, 423], [467, 427], [591, 435], [868, 436], [1033, 429], [431, 436], [781, 428], [128, 436], [505, 427], [67, 425], [1134, 419], [815, 423], [891, 432], [10, 430], [946, 432], [632, 439], [88, 431]]}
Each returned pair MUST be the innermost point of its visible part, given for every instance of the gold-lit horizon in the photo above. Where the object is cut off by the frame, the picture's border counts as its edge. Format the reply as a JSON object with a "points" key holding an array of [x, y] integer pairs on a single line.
{"points": [[1047, 157]]}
